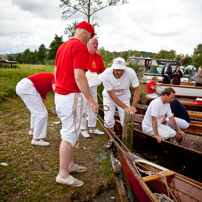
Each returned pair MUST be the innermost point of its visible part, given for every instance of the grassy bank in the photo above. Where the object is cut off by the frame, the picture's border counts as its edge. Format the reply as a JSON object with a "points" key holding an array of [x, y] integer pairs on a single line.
{"points": [[31, 171], [10, 77]]}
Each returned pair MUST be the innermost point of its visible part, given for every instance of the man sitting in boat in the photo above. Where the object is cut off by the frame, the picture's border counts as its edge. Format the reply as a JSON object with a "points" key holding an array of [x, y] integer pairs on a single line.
{"points": [[180, 114], [116, 93], [151, 88], [156, 112]]}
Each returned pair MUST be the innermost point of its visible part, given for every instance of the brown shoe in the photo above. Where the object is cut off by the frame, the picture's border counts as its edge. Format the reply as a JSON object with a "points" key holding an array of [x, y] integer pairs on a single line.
{"points": [[71, 181], [77, 169]]}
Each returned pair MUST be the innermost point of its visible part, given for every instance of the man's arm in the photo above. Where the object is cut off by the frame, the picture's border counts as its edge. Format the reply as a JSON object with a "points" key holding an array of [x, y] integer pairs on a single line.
{"points": [[154, 126], [155, 86], [136, 96], [119, 103], [82, 84], [49, 111]]}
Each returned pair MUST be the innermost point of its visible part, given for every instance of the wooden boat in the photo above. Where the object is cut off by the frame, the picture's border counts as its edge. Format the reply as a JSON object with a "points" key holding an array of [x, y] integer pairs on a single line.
{"points": [[183, 91], [194, 127], [150, 188], [190, 146], [195, 106], [194, 115]]}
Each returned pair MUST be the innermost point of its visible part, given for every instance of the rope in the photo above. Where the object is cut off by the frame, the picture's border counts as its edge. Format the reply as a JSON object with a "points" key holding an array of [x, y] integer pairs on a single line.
{"points": [[101, 121], [74, 111], [163, 178], [163, 198], [100, 97]]}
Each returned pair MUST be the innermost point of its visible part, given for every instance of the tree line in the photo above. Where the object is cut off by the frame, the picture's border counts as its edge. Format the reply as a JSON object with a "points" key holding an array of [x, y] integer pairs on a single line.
{"points": [[47, 55]]}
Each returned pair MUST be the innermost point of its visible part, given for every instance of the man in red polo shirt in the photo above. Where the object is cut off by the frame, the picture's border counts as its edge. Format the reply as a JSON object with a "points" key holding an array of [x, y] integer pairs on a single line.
{"points": [[151, 88], [70, 66], [95, 64], [33, 91]]}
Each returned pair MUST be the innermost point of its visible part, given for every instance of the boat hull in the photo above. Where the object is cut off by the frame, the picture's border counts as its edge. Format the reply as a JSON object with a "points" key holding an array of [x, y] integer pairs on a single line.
{"points": [[182, 187], [183, 91], [190, 147]]}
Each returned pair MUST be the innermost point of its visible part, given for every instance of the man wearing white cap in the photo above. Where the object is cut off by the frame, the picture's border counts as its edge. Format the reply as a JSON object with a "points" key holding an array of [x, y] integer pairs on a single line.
{"points": [[116, 93]]}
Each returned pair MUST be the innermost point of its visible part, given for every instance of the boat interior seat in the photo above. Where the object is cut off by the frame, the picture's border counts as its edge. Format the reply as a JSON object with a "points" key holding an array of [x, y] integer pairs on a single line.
{"points": [[162, 171], [156, 177]]}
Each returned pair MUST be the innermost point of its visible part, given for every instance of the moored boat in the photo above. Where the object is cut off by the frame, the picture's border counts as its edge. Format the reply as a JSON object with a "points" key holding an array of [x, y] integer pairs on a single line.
{"points": [[183, 91], [190, 146], [152, 188]]}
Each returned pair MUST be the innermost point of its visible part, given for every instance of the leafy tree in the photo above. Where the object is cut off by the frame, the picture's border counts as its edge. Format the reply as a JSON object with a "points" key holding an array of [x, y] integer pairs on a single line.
{"points": [[198, 50], [187, 60], [197, 56], [26, 56], [197, 60], [70, 29], [55, 44], [106, 56], [41, 54], [87, 8], [33, 57], [164, 54], [19, 58]]}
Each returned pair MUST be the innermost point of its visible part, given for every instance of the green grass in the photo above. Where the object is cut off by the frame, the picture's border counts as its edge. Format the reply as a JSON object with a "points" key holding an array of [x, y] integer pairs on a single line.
{"points": [[10, 77]]}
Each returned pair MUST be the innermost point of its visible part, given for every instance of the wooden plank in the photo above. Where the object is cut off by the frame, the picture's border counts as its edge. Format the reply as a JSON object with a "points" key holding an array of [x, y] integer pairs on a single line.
{"points": [[156, 177], [195, 114], [127, 134]]}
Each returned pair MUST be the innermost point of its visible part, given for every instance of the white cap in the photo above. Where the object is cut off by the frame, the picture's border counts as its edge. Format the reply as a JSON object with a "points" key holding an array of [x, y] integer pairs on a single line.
{"points": [[119, 63]]}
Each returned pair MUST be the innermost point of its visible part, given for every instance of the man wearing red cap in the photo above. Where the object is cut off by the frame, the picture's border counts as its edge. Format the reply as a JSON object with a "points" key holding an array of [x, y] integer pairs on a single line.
{"points": [[70, 66]]}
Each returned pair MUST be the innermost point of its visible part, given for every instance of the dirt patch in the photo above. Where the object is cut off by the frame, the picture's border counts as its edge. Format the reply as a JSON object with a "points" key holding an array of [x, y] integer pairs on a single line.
{"points": [[32, 170]]}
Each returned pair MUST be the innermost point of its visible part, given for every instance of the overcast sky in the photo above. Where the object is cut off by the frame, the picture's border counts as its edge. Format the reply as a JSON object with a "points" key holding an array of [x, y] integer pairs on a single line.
{"points": [[139, 25]]}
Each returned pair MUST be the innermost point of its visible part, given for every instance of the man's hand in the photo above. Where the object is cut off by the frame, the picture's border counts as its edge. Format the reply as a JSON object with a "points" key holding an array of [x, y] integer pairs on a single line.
{"points": [[159, 139], [94, 106], [180, 133], [131, 110]]}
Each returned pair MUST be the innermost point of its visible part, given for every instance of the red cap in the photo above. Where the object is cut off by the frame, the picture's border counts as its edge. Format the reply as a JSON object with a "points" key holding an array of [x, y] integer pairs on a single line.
{"points": [[86, 26]]}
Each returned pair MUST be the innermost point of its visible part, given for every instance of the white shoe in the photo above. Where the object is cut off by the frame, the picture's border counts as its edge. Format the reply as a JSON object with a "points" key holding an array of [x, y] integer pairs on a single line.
{"points": [[40, 143], [98, 132], [71, 181], [85, 133], [30, 132]]}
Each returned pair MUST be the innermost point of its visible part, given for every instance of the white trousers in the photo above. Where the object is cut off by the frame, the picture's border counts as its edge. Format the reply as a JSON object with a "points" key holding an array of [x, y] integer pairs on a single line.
{"points": [[182, 124], [109, 115], [69, 110], [87, 111], [152, 95], [39, 115], [164, 131]]}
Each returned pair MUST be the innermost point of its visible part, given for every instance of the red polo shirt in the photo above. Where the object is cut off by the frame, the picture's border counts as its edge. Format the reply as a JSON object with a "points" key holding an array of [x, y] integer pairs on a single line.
{"points": [[148, 87], [95, 63], [42, 82], [72, 54]]}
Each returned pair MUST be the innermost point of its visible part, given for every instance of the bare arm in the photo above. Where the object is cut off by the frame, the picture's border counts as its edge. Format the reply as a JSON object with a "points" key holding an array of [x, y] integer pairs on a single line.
{"points": [[119, 103], [49, 111], [155, 86], [136, 96], [154, 125], [82, 84]]}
